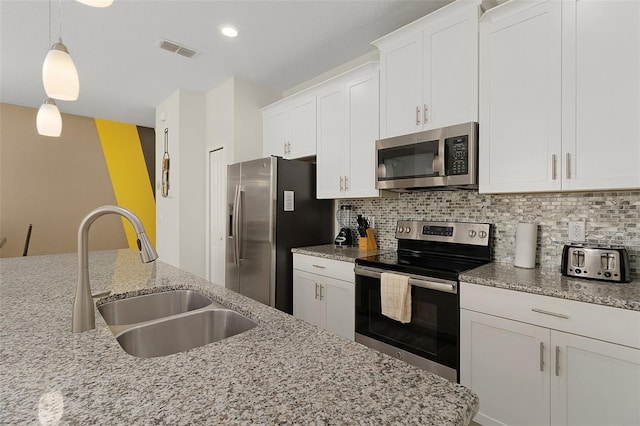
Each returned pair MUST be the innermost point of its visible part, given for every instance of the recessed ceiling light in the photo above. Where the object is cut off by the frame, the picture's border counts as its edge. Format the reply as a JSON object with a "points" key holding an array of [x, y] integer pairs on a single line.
{"points": [[228, 31]]}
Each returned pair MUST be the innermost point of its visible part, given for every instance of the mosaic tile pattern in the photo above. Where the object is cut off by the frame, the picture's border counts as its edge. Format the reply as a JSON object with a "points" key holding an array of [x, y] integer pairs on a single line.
{"points": [[611, 218]]}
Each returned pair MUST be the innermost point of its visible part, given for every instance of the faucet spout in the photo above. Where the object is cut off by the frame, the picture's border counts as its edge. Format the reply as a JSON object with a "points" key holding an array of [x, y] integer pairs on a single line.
{"points": [[83, 315]]}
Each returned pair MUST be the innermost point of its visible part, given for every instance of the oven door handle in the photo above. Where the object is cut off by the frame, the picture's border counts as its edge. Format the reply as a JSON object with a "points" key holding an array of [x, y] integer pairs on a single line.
{"points": [[414, 280]]}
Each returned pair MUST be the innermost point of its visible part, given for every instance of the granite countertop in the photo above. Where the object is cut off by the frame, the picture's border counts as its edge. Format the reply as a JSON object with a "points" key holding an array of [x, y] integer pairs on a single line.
{"points": [[283, 371], [331, 251], [551, 282]]}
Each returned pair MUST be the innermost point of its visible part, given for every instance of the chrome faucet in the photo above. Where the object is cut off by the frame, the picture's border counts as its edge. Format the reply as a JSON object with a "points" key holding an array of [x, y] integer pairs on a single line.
{"points": [[83, 316]]}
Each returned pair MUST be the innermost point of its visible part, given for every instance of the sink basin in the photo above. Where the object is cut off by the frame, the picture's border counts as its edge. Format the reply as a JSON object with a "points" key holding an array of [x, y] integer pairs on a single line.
{"points": [[183, 332], [148, 307]]}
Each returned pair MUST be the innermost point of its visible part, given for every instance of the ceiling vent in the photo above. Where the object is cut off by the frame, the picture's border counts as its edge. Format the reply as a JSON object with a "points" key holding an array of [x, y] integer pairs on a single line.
{"points": [[173, 47]]}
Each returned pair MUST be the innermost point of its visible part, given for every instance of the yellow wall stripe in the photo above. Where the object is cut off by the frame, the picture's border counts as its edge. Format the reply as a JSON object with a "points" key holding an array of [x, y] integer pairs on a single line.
{"points": [[129, 177]]}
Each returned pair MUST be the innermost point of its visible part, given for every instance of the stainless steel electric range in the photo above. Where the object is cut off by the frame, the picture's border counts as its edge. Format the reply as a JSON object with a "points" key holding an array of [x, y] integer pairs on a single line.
{"points": [[432, 255]]}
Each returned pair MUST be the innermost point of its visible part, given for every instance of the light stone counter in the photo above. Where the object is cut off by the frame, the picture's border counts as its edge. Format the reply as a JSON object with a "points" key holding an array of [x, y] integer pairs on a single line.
{"points": [[331, 251], [551, 282], [284, 371]]}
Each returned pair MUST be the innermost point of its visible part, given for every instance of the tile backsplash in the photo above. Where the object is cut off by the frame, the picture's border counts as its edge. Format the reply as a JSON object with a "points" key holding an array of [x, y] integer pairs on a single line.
{"points": [[610, 217]]}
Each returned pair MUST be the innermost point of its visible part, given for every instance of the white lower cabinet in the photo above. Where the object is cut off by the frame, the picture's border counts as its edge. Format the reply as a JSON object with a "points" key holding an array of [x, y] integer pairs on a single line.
{"points": [[323, 294], [534, 373]]}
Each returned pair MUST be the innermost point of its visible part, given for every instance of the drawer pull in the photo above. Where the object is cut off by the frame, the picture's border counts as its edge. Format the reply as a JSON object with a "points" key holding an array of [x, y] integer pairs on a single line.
{"points": [[319, 266], [553, 314]]}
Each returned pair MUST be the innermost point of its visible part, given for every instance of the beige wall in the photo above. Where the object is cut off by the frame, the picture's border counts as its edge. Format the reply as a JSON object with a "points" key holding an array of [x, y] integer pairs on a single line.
{"points": [[52, 183]]}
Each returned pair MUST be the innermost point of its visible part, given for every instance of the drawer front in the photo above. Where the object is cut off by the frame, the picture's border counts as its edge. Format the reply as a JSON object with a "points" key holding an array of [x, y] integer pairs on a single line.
{"points": [[621, 326], [322, 266]]}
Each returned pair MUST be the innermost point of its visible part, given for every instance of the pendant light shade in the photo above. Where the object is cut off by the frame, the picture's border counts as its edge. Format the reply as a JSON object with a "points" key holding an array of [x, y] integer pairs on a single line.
{"points": [[59, 74], [48, 120], [96, 3]]}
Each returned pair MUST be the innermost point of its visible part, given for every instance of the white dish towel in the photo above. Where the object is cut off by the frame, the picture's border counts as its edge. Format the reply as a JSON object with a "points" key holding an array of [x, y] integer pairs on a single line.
{"points": [[395, 296]]}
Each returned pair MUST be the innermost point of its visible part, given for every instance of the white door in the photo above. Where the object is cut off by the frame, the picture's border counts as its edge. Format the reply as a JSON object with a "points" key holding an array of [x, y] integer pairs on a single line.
{"points": [[401, 86], [302, 124], [362, 95], [450, 52], [520, 98], [306, 298], [601, 94], [339, 300], [276, 131], [217, 213], [595, 382], [332, 143], [507, 364]]}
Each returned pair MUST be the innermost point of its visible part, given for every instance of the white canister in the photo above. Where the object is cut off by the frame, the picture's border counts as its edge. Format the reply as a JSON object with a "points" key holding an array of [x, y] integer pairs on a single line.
{"points": [[526, 238]]}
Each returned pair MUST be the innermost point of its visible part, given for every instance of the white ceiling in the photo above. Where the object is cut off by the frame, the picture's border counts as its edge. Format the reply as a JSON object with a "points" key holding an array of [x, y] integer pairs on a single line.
{"points": [[124, 74]]}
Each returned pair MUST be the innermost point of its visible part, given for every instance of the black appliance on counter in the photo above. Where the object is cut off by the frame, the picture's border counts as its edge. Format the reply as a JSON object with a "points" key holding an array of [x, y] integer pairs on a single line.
{"points": [[432, 255]]}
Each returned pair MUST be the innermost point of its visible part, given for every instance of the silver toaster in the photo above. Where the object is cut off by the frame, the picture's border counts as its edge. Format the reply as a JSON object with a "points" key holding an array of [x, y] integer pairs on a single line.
{"points": [[608, 263]]}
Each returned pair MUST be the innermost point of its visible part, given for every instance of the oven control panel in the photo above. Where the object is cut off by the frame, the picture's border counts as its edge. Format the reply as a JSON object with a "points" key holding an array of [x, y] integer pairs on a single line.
{"points": [[450, 232]]}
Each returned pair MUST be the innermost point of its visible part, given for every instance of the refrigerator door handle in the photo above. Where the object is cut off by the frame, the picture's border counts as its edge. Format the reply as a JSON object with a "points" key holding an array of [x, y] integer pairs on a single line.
{"points": [[234, 227], [238, 231]]}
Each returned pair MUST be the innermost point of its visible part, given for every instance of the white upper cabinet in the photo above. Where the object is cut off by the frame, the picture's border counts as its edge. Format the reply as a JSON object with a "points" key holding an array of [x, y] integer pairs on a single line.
{"points": [[560, 96], [601, 94], [429, 73], [347, 133], [289, 127], [520, 98]]}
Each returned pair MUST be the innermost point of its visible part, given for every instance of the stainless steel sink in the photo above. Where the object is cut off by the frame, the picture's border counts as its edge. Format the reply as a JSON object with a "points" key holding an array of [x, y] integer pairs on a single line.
{"points": [[183, 332], [165, 323], [148, 307]]}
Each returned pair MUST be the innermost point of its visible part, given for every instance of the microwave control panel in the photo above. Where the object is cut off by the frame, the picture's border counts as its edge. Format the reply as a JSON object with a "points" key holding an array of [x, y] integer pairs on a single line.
{"points": [[456, 151]]}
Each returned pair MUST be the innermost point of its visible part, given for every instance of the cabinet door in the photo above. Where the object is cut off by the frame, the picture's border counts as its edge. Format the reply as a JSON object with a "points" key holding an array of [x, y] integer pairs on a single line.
{"points": [[601, 94], [306, 301], [332, 143], [302, 122], [362, 95], [275, 131], [401, 86], [507, 364], [520, 98], [339, 300], [595, 382], [450, 52]]}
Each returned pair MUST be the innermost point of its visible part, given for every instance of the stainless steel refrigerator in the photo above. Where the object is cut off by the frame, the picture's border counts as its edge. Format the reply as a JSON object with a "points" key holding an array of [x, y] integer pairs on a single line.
{"points": [[271, 208]]}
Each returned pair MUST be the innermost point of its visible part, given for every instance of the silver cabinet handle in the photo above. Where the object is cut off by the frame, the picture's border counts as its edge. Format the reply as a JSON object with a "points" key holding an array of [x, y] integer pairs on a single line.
{"points": [[341, 183], [424, 113], [417, 115], [557, 360], [346, 183], [553, 314], [321, 292], [541, 356], [568, 166], [319, 266], [316, 296], [553, 166]]}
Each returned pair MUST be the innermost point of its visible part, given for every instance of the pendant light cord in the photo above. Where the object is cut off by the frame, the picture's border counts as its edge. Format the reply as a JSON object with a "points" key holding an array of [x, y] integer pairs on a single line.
{"points": [[60, 32], [49, 45]]}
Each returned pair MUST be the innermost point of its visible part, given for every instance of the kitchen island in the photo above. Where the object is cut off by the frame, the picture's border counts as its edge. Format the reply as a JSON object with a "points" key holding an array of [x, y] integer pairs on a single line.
{"points": [[283, 371]]}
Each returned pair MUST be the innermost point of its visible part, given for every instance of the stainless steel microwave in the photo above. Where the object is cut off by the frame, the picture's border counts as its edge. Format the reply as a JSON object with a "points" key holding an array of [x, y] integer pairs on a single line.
{"points": [[446, 157]]}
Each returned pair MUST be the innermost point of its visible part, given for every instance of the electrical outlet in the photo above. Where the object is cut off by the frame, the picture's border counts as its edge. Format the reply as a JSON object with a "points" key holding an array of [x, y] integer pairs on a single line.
{"points": [[576, 231]]}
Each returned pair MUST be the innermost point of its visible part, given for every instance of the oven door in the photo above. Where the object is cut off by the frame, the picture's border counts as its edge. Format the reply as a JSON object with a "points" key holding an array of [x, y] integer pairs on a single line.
{"points": [[430, 340]]}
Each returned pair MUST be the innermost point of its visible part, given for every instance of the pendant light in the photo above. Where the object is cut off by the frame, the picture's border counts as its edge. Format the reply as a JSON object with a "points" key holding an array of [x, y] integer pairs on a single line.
{"points": [[59, 74], [48, 120], [96, 3]]}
